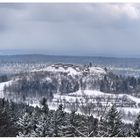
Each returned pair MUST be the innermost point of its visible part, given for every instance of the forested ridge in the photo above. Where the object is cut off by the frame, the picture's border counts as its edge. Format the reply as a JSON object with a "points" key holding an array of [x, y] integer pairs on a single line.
{"points": [[49, 83]]}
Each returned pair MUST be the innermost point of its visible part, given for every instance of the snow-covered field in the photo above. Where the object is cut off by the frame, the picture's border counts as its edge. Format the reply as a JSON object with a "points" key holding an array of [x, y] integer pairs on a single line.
{"points": [[94, 93], [88, 96]]}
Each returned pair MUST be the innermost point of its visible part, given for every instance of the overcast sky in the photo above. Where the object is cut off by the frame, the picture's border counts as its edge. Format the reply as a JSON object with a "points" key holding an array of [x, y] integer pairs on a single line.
{"points": [[71, 29]]}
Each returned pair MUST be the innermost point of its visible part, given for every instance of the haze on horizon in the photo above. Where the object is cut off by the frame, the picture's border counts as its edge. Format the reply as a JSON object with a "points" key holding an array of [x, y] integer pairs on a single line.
{"points": [[96, 29]]}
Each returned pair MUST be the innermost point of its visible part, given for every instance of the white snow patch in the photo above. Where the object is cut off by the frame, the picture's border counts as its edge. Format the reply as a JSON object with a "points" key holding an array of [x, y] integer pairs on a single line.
{"points": [[130, 109], [2, 87], [98, 70], [127, 121], [99, 93], [48, 79], [137, 100], [87, 93], [69, 70], [52, 68]]}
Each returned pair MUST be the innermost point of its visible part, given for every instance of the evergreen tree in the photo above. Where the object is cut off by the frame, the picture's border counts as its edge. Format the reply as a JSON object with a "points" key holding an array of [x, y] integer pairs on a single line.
{"points": [[111, 125], [137, 126], [8, 127], [58, 122], [41, 121], [72, 125], [101, 128], [42, 127], [81, 126], [128, 130], [92, 126], [90, 64], [44, 106], [25, 125]]}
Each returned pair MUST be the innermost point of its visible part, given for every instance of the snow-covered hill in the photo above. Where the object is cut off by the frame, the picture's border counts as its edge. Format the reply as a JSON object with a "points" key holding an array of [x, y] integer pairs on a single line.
{"points": [[71, 69], [76, 87]]}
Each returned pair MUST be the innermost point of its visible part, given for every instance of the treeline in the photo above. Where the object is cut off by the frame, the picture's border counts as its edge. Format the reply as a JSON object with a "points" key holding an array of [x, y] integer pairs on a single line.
{"points": [[25, 121], [9, 115], [112, 83], [43, 84], [3, 78], [49, 83]]}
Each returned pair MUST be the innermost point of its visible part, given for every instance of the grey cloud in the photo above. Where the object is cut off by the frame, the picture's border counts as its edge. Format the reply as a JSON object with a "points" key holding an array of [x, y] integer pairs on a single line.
{"points": [[71, 29]]}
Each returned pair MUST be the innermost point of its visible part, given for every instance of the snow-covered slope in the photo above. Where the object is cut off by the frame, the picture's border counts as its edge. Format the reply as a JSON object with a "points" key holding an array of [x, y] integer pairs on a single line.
{"points": [[126, 104], [95, 93], [2, 87], [87, 93], [92, 93]]}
